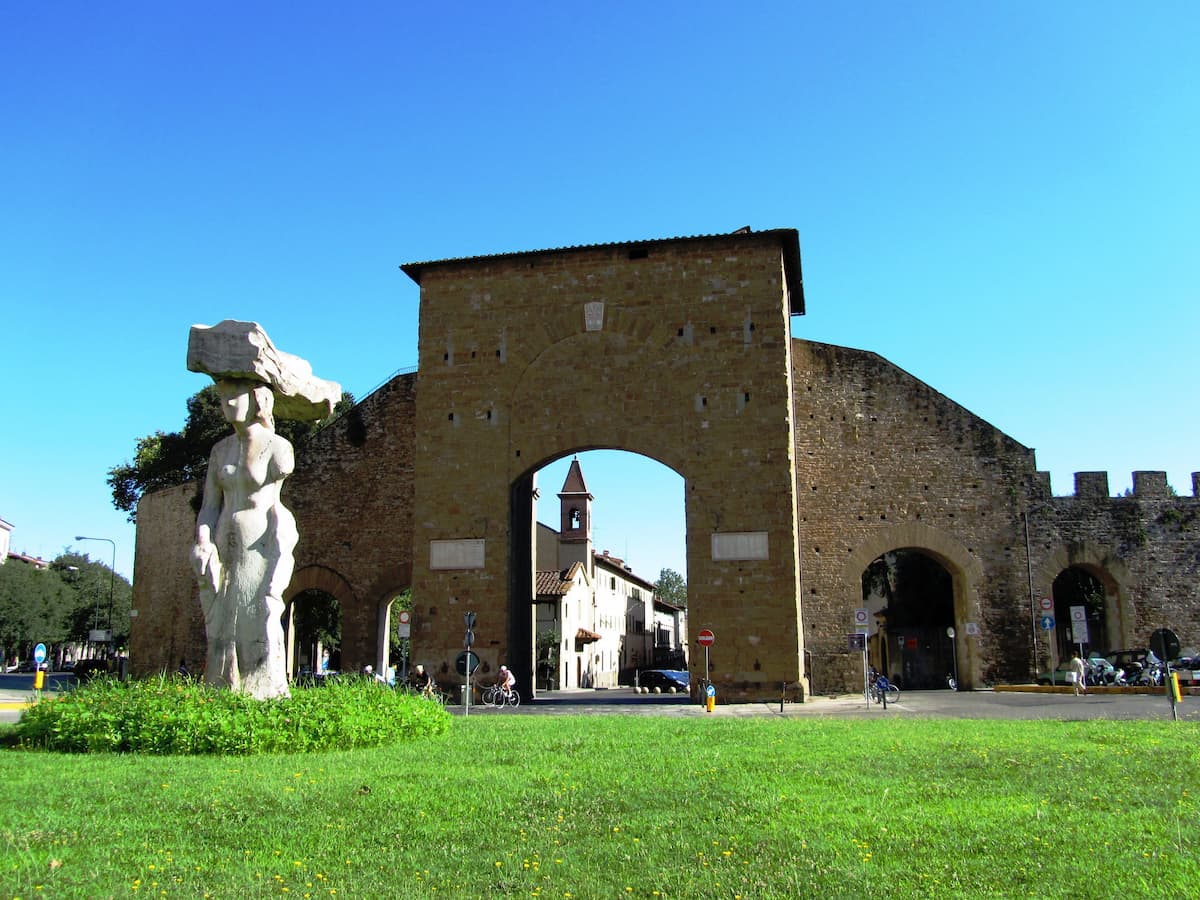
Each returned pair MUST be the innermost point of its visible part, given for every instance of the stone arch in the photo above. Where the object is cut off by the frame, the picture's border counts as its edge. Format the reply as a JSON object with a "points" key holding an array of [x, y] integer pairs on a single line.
{"points": [[966, 574], [1112, 573], [313, 578], [387, 587]]}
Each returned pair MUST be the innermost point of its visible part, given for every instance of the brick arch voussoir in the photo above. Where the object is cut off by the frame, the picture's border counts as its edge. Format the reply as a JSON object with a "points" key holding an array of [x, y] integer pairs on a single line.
{"points": [[965, 568], [1096, 559], [320, 578], [597, 432]]}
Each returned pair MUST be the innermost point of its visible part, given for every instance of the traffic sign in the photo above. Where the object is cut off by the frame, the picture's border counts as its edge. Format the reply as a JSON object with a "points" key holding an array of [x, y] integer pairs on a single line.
{"points": [[710, 691], [1047, 623], [1164, 643], [469, 618], [39, 654], [1047, 604], [862, 618], [469, 639], [466, 663], [705, 638]]}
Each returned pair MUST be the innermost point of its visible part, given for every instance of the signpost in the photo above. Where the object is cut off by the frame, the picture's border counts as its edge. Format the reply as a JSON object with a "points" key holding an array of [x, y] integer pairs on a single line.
{"points": [[468, 640], [1164, 643], [705, 639], [39, 657]]}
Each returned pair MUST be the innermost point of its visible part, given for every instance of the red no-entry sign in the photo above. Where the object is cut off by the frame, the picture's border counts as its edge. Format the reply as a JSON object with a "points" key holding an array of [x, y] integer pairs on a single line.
{"points": [[705, 638]]}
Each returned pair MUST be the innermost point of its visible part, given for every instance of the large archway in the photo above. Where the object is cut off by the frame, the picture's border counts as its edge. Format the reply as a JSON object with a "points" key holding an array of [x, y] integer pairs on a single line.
{"points": [[608, 525]]}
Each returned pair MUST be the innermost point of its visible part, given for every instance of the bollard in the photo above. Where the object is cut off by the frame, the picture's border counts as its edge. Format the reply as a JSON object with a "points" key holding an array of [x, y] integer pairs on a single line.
{"points": [[710, 703]]}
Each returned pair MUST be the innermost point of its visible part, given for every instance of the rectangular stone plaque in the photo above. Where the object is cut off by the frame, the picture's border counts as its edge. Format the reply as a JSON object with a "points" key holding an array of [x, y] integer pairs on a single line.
{"points": [[734, 545], [463, 554]]}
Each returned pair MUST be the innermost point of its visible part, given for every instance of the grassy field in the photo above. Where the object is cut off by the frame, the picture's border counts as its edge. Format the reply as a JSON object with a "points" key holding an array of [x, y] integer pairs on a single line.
{"points": [[604, 807]]}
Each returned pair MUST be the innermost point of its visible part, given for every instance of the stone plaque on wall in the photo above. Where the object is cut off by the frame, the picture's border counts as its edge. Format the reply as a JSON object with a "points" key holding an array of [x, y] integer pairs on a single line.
{"points": [[464, 554], [593, 316], [734, 545]]}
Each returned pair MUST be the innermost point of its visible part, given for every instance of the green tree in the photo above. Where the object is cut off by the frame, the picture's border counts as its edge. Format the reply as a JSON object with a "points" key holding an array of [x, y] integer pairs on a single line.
{"points": [[672, 588], [165, 459], [35, 607], [93, 588]]}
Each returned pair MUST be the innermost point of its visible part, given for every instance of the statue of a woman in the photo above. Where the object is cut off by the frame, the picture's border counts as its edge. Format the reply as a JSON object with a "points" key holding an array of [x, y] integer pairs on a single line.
{"points": [[244, 543]]}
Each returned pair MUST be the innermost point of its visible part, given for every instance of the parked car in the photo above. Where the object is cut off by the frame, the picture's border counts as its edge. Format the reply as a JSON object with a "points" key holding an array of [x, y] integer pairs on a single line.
{"points": [[1126, 659], [90, 668], [666, 681], [1060, 674]]}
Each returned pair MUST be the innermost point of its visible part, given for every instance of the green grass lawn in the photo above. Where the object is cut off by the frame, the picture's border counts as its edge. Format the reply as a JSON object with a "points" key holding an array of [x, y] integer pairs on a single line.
{"points": [[604, 807]]}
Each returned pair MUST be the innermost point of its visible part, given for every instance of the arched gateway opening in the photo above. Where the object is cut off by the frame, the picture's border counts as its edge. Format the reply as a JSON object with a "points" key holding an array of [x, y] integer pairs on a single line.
{"points": [[1079, 612], [607, 523], [677, 349], [910, 596]]}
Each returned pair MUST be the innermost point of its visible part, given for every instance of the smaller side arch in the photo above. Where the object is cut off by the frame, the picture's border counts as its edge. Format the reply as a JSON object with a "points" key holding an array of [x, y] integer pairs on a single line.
{"points": [[1105, 565], [965, 570], [313, 578]]}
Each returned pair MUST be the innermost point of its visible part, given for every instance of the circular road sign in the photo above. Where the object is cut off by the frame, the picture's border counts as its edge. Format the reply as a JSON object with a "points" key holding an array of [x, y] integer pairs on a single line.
{"points": [[466, 663], [39, 654], [705, 638], [1164, 643], [1047, 623], [710, 690]]}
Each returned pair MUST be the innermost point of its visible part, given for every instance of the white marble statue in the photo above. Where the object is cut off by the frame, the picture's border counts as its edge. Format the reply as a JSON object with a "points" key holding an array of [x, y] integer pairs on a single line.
{"points": [[244, 535]]}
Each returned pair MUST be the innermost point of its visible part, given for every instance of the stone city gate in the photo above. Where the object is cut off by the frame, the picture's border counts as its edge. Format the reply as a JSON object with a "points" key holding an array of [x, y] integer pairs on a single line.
{"points": [[679, 350]]}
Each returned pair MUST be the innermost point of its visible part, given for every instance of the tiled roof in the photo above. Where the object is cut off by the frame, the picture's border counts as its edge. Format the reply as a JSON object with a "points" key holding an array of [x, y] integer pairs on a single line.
{"points": [[789, 238], [552, 584]]}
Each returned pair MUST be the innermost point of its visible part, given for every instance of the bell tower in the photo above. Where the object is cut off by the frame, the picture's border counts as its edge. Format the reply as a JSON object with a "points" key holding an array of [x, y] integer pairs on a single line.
{"points": [[575, 521]]}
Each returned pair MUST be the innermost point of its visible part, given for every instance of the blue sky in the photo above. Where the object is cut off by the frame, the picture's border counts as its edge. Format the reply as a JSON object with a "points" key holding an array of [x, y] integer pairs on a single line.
{"points": [[1000, 198]]}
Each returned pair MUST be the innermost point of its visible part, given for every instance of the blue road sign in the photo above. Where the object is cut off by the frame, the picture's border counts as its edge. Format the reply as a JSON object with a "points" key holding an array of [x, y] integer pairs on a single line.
{"points": [[711, 691], [39, 654], [1047, 623]]}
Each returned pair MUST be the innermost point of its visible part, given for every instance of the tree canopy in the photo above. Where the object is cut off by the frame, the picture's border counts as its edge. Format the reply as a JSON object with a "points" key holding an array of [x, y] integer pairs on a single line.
{"points": [[60, 604], [672, 588], [165, 459]]}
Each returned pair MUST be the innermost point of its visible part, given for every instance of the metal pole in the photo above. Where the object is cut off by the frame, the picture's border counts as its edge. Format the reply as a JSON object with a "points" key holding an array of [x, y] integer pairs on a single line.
{"points": [[1032, 609], [112, 583]]}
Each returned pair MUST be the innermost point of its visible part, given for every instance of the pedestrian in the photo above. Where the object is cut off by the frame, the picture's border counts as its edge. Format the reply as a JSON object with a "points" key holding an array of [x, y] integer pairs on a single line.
{"points": [[1079, 670], [422, 681]]}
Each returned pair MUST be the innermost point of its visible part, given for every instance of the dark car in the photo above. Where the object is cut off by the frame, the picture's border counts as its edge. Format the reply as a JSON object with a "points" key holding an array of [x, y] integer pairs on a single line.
{"points": [[664, 681], [91, 668]]}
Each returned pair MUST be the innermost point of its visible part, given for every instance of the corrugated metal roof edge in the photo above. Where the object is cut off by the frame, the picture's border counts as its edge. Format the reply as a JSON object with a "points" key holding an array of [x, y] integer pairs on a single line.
{"points": [[790, 240]]}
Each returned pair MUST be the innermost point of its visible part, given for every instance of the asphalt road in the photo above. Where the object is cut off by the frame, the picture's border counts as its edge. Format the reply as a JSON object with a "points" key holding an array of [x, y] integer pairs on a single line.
{"points": [[16, 692]]}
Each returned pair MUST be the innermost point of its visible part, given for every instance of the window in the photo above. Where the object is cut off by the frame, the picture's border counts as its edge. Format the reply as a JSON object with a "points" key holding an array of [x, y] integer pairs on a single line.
{"points": [[576, 518]]}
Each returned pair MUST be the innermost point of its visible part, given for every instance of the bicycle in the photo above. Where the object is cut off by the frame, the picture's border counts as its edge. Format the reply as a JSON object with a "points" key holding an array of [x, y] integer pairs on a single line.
{"points": [[883, 691], [495, 695]]}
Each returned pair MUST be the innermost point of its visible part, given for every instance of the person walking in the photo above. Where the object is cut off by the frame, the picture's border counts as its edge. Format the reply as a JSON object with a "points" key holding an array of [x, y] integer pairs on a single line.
{"points": [[1079, 670]]}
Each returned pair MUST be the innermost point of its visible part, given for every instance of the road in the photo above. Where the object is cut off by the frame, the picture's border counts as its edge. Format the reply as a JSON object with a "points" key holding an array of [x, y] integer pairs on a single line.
{"points": [[16, 692]]}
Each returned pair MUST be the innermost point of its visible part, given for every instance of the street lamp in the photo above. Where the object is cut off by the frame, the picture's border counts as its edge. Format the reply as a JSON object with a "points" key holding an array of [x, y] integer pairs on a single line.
{"points": [[111, 584]]}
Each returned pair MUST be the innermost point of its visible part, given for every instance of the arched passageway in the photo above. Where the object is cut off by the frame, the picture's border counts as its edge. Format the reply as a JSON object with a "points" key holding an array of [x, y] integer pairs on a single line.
{"points": [[315, 633], [1081, 623], [910, 596]]}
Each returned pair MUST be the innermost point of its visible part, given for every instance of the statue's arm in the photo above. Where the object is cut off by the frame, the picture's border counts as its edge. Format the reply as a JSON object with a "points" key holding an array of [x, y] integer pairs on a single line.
{"points": [[204, 554]]}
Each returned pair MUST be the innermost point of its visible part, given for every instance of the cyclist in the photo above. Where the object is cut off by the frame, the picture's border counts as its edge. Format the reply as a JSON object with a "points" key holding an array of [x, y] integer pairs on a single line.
{"points": [[422, 681], [506, 681]]}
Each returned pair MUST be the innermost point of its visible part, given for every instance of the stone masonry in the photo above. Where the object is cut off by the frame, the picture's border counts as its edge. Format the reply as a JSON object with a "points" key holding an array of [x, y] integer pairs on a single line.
{"points": [[803, 462]]}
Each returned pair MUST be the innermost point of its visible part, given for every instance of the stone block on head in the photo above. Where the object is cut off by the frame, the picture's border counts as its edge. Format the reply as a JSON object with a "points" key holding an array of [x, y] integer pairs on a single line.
{"points": [[242, 350]]}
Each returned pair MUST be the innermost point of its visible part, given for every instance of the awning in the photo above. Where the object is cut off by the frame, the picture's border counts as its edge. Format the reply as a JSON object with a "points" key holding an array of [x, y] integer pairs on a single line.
{"points": [[584, 636]]}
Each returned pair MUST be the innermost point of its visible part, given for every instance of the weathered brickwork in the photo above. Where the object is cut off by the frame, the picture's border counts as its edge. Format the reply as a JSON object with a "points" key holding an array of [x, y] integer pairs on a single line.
{"points": [[676, 350], [885, 462], [819, 458], [352, 498]]}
